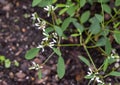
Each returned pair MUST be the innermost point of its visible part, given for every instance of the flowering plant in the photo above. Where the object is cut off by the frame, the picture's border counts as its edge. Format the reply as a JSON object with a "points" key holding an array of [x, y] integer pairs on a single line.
{"points": [[98, 34]]}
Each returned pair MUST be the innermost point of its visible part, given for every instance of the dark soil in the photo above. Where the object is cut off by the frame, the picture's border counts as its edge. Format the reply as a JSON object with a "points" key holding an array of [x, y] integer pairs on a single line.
{"points": [[17, 35]]}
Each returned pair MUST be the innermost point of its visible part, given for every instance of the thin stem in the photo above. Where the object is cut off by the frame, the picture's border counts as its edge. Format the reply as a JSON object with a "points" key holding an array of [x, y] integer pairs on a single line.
{"points": [[89, 57], [48, 58], [67, 45]]}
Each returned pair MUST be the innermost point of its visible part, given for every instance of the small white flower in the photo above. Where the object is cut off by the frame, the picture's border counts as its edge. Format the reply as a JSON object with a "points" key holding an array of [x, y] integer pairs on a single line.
{"points": [[33, 16], [90, 72], [35, 66], [42, 47], [49, 9], [98, 80]]}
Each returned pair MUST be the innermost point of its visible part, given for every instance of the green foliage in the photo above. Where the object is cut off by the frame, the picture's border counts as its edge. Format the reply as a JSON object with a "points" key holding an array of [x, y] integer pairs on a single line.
{"points": [[106, 8], [82, 3], [85, 16], [35, 2], [108, 47], [117, 2], [86, 61], [92, 29], [31, 53], [114, 73], [7, 63], [39, 74], [2, 59], [117, 36], [61, 67]]}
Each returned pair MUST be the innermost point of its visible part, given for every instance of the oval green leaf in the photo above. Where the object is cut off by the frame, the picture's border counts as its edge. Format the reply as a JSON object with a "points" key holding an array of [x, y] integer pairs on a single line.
{"points": [[60, 67], [32, 53]]}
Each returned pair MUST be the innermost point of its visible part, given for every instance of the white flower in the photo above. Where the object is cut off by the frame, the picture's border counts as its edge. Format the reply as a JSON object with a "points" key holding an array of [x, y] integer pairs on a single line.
{"points": [[33, 16], [41, 46], [41, 25], [49, 9], [90, 72], [35, 66], [98, 80]]}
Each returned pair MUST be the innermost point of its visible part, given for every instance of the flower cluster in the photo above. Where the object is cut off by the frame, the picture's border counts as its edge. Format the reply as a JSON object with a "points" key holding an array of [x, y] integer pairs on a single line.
{"points": [[94, 76], [35, 66], [49, 8], [38, 23], [50, 39]]}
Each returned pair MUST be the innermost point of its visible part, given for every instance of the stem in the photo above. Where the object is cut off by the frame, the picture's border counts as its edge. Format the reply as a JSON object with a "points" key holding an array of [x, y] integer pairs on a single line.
{"points": [[48, 58], [90, 57], [67, 45]]}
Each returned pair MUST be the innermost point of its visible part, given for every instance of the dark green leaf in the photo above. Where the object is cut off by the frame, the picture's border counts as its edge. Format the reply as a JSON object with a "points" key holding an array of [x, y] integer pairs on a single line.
{"points": [[85, 16], [86, 61], [61, 67], [31, 53]]}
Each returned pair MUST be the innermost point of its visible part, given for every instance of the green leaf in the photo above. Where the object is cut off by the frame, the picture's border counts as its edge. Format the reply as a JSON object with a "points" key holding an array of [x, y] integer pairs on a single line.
{"points": [[63, 11], [32, 53], [39, 74], [16, 63], [2, 59], [35, 2], [49, 29], [117, 36], [108, 47], [106, 8], [89, 76], [117, 2], [99, 17], [44, 3], [85, 16], [79, 27], [58, 30], [86, 61], [7, 63], [105, 64], [101, 42], [61, 67], [57, 51], [75, 35], [66, 23], [71, 10], [114, 73], [82, 3], [95, 28]]}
